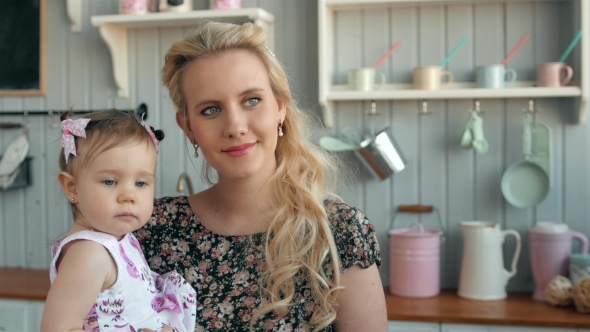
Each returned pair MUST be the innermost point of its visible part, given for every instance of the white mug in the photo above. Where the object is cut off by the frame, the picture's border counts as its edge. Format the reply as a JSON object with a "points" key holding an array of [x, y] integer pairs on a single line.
{"points": [[363, 79], [430, 77]]}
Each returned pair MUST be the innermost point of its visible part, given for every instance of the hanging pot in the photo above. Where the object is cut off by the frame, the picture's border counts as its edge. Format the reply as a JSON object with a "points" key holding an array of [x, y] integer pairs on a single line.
{"points": [[381, 155]]}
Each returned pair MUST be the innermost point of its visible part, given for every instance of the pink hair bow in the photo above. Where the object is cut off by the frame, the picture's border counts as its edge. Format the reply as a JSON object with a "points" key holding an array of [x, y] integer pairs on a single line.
{"points": [[152, 135], [70, 129]]}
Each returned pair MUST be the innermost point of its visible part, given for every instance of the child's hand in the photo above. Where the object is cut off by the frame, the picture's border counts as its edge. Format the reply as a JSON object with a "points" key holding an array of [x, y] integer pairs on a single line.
{"points": [[166, 328]]}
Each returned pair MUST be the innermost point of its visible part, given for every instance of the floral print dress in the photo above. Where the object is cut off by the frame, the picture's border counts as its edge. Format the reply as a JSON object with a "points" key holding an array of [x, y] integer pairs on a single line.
{"points": [[225, 270]]}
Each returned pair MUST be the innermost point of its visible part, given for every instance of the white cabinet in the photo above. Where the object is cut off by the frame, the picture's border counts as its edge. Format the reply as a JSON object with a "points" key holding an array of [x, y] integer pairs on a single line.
{"points": [[113, 30], [399, 326], [488, 328], [330, 31], [20, 316]]}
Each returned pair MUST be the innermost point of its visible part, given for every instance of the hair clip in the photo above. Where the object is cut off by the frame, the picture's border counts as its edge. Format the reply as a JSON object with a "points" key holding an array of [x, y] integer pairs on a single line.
{"points": [[152, 135], [269, 51], [70, 129]]}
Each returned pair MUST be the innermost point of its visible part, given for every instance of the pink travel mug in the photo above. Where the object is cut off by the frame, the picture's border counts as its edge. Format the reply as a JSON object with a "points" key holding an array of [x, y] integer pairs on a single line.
{"points": [[550, 248]]}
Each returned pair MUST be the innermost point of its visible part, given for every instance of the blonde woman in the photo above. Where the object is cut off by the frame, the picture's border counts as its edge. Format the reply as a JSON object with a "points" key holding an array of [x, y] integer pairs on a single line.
{"points": [[263, 246]]}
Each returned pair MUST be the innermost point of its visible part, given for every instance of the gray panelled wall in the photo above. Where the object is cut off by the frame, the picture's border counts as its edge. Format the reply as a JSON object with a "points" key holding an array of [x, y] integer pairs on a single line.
{"points": [[462, 184]]}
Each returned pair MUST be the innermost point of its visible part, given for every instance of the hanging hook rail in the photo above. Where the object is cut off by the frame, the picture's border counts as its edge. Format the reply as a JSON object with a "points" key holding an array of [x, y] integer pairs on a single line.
{"points": [[142, 110], [477, 107], [424, 110]]}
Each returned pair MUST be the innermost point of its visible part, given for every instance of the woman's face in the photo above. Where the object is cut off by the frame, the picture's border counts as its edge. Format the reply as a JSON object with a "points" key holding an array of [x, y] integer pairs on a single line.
{"points": [[232, 114]]}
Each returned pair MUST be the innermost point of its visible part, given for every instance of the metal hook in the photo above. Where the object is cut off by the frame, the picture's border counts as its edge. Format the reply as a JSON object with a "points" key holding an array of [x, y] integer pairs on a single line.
{"points": [[477, 108], [371, 113], [424, 110], [27, 123]]}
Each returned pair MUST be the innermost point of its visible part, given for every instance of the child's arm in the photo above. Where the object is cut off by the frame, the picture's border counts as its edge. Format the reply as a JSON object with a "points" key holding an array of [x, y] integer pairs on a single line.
{"points": [[85, 270]]}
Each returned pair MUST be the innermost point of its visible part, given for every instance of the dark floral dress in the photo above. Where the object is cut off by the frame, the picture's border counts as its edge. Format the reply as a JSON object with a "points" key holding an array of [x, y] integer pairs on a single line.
{"points": [[225, 270]]}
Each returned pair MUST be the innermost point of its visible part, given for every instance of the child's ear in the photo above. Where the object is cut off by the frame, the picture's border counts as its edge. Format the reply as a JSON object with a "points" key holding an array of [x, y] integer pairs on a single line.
{"points": [[68, 184]]}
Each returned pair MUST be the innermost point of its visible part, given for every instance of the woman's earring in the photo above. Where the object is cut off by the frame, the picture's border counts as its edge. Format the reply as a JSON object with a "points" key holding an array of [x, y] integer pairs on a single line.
{"points": [[281, 129], [196, 150]]}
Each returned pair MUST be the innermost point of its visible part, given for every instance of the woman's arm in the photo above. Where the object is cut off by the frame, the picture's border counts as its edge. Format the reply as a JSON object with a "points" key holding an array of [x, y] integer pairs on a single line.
{"points": [[85, 270], [361, 305]]}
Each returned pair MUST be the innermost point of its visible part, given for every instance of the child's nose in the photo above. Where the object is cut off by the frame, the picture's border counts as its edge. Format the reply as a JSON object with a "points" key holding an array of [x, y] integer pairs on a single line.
{"points": [[127, 195]]}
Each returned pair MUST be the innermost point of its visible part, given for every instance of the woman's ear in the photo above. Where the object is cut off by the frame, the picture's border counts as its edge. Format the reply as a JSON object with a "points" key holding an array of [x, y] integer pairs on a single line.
{"points": [[182, 122], [68, 184], [282, 110]]}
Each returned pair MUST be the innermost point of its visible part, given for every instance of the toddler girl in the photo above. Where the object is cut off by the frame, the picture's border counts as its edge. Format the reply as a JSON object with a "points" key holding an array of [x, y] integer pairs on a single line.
{"points": [[100, 278]]}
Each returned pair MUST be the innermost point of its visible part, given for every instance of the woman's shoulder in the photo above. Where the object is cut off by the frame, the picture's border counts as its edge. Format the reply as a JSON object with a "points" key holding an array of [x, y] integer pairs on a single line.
{"points": [[354, 235]]}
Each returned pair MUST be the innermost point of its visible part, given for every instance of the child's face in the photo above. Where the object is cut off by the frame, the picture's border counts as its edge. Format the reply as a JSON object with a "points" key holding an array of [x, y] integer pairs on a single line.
{"points": [[115, 193]]}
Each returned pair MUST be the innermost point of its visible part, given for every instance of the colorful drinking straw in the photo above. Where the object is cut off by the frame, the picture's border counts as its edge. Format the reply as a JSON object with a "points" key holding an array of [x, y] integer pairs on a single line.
{"points": [[463, 42], [516, 48], [386, 55], [571, 46]]}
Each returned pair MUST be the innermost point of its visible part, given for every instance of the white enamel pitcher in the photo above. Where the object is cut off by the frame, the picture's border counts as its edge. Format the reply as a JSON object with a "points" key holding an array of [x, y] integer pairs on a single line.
{"points": [[483, 276]]}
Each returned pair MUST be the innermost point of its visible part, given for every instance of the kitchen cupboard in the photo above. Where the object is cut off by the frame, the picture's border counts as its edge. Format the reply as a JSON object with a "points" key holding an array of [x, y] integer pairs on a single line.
{"points": [[20, 316], [361, 44], [401, 326]]}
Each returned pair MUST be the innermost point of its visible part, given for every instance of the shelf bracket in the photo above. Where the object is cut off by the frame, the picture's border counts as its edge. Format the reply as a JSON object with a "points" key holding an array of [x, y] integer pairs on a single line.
{"points": [[328, 113], [116, 39], [74, 9]]}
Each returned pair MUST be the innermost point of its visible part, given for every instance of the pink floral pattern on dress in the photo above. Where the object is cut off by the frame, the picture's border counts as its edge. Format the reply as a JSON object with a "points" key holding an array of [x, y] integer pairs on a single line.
{"points": [[226, 270], [130, 266]]}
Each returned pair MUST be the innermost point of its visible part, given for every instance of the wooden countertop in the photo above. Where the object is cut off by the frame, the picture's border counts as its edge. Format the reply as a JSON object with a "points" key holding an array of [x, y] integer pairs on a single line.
{"points": [[24, 284], [519, 309]]}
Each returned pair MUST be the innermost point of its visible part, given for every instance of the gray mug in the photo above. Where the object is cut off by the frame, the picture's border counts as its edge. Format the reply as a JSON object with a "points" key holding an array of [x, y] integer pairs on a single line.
{"points": [[494, 76]]}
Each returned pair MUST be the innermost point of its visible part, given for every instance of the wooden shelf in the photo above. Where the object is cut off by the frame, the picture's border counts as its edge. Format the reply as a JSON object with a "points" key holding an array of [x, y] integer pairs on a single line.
{"points": [[330, 93], [24, 284], [454, 91], [113, 30]]}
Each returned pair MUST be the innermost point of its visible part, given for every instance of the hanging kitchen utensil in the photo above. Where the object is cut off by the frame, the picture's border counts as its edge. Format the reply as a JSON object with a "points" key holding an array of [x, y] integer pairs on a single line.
{"points": [[333, 144], [526, 183], [12, 158]]}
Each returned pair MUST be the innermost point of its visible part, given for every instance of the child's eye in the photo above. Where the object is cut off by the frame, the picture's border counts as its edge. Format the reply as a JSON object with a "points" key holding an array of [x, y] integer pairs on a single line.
{"points": [[210, 110], [141, 184], [109, 182], [253, 101]]}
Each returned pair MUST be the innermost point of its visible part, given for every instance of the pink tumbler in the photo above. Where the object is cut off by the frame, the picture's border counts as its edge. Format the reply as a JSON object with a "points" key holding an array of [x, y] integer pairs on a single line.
{"points": [[414, 269], [550, 247]]}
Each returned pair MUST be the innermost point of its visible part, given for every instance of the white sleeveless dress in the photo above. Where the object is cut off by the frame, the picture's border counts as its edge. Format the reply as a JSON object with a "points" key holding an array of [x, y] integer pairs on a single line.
{"points": [[140, 298]]}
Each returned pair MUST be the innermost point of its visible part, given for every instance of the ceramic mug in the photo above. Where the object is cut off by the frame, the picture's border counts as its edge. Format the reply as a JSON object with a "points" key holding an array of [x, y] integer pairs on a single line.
{"points": [[133, 6], [430, 77], [363, 79], [225, 4], [494, 76], [554, 74]]}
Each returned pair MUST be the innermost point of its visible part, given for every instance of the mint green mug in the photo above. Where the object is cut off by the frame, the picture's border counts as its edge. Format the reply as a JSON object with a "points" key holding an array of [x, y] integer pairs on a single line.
{"points": [[363, 79]]}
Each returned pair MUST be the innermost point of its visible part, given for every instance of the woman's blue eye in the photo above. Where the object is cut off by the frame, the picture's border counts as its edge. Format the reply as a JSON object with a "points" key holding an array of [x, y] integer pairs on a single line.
{"points": [[109, 182], [140, 184], [210, 110], [253, 101]]}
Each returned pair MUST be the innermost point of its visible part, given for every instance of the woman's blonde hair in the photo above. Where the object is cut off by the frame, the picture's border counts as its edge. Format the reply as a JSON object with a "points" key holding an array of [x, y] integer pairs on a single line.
{"points": [[299, 241]]}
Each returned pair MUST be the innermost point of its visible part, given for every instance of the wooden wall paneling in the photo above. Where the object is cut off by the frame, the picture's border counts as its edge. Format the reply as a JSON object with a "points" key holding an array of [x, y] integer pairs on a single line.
{"points": [[13, 201], [518, 219], [575, 179], [546, 34], [35, 220], [173, 149], [432, 130], [460, 162], [520, 21], [78, 69], [551, 209], [403, 22], [489, 34], [459, 25], [294, 18]]}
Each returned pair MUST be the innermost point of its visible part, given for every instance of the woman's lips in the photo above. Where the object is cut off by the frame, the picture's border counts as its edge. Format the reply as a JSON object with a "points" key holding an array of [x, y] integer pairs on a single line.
{"points": [[239, 150]]}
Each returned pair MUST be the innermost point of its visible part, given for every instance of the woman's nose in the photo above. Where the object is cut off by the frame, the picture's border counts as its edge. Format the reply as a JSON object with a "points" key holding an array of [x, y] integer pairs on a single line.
{"points": [[236, 122]]}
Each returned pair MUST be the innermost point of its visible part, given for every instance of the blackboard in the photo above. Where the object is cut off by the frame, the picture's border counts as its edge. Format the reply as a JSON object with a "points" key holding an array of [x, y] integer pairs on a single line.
{"points": [[22, 47]]}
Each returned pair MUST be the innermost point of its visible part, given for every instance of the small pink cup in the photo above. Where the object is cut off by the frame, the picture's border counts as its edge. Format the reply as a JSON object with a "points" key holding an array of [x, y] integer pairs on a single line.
{"points": [[554, 74], [225, 4]]}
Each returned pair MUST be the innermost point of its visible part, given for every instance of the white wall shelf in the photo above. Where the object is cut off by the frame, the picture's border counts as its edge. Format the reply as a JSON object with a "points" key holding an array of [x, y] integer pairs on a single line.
{"points": [[113, 30], [330, 92]]}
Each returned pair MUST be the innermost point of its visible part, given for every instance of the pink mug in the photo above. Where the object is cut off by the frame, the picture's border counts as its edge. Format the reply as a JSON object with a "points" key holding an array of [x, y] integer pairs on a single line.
{"points": [[550, 247], [554, 74]]}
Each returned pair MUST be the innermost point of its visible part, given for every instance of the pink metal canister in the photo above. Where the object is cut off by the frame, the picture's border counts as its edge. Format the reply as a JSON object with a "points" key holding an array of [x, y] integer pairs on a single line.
{"points": [[414, 252]]}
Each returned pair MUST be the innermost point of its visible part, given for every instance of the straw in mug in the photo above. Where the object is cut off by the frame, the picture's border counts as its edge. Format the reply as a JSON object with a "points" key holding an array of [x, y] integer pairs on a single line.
{"points": [[461, 44], [516, 48], [571, 46], [386, 55]]}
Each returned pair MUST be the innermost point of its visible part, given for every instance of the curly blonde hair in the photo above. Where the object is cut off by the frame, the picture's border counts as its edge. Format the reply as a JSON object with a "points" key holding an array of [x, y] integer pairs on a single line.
{"points": [[299, 240]]}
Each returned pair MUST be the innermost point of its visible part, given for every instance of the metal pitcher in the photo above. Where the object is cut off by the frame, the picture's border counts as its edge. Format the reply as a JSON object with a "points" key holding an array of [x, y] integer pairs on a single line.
{"points": [[381, 155]]}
